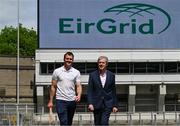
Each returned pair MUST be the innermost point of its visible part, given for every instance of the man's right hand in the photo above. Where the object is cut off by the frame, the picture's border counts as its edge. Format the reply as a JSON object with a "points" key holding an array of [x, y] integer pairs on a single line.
{"points": [[50, 104], [91, 107]]}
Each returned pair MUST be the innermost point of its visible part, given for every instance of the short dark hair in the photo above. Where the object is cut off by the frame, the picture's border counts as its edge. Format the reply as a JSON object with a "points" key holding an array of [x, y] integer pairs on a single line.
{"points": [[69, 53]]}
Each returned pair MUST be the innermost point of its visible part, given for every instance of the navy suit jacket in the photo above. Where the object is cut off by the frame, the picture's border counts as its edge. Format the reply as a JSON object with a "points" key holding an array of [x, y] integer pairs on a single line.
{"points": [[97, 95]]}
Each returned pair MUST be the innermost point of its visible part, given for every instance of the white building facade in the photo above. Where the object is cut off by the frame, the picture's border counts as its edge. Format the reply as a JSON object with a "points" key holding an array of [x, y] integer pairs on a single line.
{"points": [[139, 87], [140, 38]]}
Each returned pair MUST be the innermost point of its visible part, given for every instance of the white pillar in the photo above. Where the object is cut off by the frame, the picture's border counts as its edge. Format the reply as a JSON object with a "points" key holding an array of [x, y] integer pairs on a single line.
{"points": [[131, 98], [40, 98], [161, 98]]}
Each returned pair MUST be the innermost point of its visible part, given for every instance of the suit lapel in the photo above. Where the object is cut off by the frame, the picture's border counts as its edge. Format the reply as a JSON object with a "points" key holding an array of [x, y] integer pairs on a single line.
{"points": [[98, 79], [107, 79]]}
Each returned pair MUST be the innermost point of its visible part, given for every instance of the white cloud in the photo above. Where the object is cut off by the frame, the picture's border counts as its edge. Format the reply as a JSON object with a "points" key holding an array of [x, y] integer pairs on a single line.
{"points": [[27, 13]]}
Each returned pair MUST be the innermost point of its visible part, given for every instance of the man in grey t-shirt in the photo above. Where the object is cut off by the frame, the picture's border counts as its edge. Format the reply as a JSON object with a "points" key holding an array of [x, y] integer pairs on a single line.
{"points": [[64, 81]]}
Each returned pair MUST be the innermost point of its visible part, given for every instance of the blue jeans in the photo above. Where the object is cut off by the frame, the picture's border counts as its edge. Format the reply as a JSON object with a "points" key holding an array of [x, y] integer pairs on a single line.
{"points": [[65, 111]]}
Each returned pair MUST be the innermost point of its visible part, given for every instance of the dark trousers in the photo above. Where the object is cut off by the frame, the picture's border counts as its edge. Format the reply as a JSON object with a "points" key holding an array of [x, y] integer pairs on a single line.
{"points": [[65, 111], [101, 116]]}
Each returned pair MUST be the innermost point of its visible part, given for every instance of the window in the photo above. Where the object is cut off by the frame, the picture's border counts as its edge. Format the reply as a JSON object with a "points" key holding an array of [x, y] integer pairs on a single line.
{"points": [[57, 65], [117, 67], [112, 67], [139, 67], [47, 68], [178, 67], [170, 67], [153, 67], [80, 67], [43, 67], [123, 68], [50, 68], [91, 67]]}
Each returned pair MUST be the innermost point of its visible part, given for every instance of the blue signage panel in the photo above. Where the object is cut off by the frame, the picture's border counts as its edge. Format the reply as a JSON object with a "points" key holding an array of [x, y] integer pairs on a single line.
{"points": [[141, 24]]}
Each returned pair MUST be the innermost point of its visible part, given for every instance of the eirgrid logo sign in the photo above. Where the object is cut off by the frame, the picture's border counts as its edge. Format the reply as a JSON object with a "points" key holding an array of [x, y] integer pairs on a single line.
{"points": [[146, 24], [132, 10]]}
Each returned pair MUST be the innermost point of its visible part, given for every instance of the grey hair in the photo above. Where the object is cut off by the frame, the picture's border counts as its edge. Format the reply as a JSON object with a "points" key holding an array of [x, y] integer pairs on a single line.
{"points": [[103, 57]]}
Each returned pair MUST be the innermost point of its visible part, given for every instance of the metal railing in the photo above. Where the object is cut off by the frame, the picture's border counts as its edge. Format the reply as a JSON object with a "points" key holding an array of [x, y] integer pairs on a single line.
{"points": [[29, 117], [29, 107], [84, 108], [86, 118], [11, 107]]}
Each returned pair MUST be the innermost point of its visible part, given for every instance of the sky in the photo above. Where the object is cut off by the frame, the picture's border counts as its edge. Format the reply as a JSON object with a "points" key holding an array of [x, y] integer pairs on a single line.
{"points": [[27, 13]]}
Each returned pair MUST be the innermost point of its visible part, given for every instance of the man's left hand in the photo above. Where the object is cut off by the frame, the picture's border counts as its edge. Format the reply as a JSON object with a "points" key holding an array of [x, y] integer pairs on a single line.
{"points": [[77, 98], [115, 109]]}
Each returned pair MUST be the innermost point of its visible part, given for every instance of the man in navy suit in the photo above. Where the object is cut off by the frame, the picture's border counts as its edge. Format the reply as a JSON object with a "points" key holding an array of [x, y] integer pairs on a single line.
{"points": [[101, 93]]}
